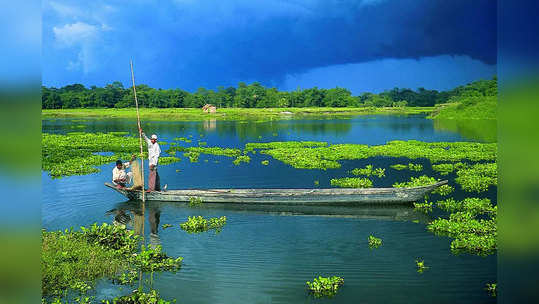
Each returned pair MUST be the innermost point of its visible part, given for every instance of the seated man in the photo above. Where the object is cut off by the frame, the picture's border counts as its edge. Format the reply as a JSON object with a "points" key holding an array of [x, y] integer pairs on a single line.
{"points": [[119, 177]]}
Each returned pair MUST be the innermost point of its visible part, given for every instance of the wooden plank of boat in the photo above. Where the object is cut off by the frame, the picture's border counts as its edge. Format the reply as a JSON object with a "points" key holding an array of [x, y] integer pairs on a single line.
{"points": [[292, 196]]}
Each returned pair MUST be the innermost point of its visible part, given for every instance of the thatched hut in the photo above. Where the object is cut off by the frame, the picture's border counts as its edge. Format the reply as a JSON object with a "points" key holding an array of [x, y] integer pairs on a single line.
{"points": [[208, 108]]}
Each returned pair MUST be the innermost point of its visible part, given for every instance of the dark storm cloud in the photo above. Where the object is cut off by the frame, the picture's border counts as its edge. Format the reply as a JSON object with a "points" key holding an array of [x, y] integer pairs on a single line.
{"points": [[209, 43]]}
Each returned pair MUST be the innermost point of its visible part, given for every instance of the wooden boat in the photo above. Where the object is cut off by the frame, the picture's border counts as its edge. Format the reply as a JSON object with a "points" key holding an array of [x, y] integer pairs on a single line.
{"points": [[288, 196]]}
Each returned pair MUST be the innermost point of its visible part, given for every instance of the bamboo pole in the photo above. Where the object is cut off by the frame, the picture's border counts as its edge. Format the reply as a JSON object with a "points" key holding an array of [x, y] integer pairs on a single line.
{"points": [[139, 134]]}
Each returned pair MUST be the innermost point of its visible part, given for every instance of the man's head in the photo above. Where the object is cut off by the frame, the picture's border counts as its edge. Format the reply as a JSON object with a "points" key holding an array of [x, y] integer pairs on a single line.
{"points": [[119, 164], [153, 139]]}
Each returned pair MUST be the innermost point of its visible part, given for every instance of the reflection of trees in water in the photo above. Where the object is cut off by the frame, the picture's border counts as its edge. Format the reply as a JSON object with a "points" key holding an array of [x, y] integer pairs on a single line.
{"points": [[252, 130], [130, 214], [475, 129]]}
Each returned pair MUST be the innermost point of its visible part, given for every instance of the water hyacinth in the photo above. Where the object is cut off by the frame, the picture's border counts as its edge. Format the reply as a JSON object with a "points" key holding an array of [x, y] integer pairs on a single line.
{"points": [[425, 207], [368, 171], [415, 167], [478, 177], [351, 182], [398, 167], [196, 224], [444, 190], [327, 287], [240, 159], [374, 242], [417, 182]]}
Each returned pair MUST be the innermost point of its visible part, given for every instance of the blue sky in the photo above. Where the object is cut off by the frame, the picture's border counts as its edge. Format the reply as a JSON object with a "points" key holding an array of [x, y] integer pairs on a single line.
{"points": [[363, 45]]}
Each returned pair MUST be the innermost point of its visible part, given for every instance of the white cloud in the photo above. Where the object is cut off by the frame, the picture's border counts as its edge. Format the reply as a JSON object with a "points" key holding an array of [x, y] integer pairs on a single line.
{"points": [[72, 34]]}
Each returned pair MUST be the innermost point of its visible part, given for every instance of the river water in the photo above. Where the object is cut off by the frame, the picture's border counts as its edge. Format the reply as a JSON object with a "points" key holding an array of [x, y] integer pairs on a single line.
{"points": [[266, 254]]}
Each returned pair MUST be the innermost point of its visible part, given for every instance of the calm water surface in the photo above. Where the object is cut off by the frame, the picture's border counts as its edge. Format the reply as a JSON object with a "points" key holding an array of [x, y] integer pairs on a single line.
{"points": [[266, 254]]}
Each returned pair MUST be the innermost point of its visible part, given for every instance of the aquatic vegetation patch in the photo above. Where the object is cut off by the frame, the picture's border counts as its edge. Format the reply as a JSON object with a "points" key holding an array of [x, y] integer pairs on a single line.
{"points": [[75, 153], [472, 205], [491, 289], [327, 157], [193, 156], [478, 177], [327, 287], [167, 160], [139, 297], [445, 169], [202, 143], [423, 180], [240, 159], [470, 234], [420, 264], [73, 260], [425, 207], [196, 224], [265, 162], [374, 242], [415, 167], [195, 201], [444, 190], [368, 171], [284, 144], [399, 167], [165, 226], [208, 150], [351, 182]]}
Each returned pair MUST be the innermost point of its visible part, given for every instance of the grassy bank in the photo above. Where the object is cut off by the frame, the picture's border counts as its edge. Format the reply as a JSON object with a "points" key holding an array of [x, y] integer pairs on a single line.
{"points": [[469, 108], [192, 114]]}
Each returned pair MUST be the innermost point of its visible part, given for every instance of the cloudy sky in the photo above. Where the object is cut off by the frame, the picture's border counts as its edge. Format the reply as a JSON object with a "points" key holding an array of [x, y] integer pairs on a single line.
{"points": [[363, 45]]}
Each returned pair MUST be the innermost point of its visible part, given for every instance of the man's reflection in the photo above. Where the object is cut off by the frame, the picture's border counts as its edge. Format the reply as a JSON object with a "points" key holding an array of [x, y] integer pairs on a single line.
{"points": [[129, 215]]}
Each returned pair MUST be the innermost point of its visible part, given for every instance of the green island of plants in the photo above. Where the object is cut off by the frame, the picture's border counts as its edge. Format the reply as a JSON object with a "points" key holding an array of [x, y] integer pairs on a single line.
{"points": [[415, 167], [72, 261], [207, 150], [374, 242], [420, 265], [445, 169], [477, 177], [137, 296], [197, 224], [327, 157], [78, 153], [195, 201], [241, 159], [491, 289], [398, 167], [265, 162], [444, 190], [325, 287], [351, 182], [423, 180], [368, 171]]}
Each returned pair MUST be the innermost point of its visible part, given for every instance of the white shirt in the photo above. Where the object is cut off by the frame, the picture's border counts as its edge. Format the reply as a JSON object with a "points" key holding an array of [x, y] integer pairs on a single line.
{"points": [[119, 173], [153, 151]]}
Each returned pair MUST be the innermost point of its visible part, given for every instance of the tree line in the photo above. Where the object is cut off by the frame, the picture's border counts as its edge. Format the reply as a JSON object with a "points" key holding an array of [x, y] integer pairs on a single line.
{"points": [[253, 95]]}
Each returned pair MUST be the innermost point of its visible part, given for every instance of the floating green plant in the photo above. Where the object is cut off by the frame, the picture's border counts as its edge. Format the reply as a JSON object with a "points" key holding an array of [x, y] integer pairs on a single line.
{"points": [[202, 143], [351, 182], [208, 150], [399, 166], [319, 156], [193, 156], [166, 160], [327, 287], [444, 190], [241, 158], [195, 201], [196, 224], [316, 182], [420, 265], [415, 167], [472, 205], [284, 145], [374, 242], [165, 226], [478, 177], [425, 207], [491, 289], [265, 162], [74, 260], [417, 182], [470, 234], [138, 296], [445, 169], [368, 171]]}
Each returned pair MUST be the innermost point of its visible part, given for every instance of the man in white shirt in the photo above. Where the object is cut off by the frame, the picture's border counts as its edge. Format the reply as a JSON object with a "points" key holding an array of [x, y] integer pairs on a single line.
{"points": [[154, 151], [119, 177]]}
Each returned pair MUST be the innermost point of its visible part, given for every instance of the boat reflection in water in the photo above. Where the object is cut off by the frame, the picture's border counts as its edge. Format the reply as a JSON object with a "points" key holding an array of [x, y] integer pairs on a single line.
{"points": [[388, 212], [129, 214]]}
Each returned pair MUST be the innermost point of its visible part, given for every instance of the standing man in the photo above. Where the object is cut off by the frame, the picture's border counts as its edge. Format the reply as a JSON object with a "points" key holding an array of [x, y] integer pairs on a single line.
{"points": [[153, 158]]}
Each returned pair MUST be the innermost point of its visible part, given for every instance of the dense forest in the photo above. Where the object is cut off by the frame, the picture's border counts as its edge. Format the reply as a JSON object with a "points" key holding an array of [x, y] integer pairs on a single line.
{"points": [[254, 95]]}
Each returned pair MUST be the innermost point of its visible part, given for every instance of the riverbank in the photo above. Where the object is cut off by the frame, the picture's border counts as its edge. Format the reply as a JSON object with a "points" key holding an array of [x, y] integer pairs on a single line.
{"points": [[193, 114]]}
